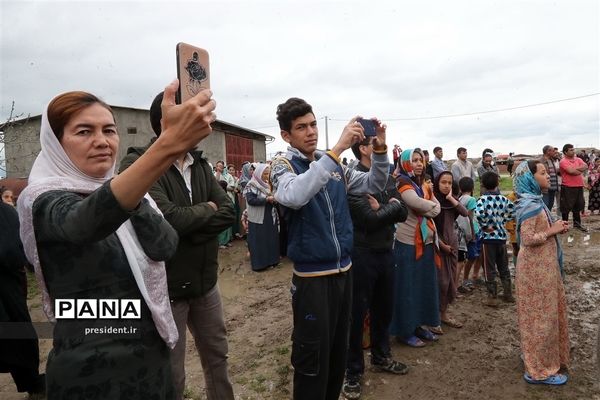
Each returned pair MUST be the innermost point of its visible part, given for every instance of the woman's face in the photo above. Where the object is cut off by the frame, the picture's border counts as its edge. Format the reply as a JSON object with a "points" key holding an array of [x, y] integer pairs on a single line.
{"points": [[445, 184], [231, 170], [265, 174], [7, 197], [542, 177], [91, 141], [417, 164]]}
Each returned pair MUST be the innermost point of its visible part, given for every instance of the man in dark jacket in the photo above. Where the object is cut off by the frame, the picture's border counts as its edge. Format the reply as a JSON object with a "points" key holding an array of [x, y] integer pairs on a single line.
{"points": [[19, 351], [311, 187], [373, 218], [192, 201]]}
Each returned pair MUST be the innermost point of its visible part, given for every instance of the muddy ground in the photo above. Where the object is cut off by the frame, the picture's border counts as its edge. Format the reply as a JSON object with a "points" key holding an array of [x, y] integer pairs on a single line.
{"points": [[479, 361]]}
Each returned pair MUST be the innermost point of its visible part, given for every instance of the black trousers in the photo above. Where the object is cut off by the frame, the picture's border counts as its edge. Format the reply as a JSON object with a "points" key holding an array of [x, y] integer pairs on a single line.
{"points": [[321, 307], [20, 357], [373, 290], [571, 199], [495, 261]]}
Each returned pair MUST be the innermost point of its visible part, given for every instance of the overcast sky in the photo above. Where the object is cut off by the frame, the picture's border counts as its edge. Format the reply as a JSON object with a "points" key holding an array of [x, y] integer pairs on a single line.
{"points": [[396, 60]]}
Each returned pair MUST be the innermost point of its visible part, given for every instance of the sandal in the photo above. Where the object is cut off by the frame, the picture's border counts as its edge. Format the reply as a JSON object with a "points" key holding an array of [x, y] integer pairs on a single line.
{"points": [[452, 323], [556, 379], [412, 341], [425, 334], [436, 329]]}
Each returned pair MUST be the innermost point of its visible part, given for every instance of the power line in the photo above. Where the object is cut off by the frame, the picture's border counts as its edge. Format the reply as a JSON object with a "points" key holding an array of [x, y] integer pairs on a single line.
{"points": [[483, 112]]}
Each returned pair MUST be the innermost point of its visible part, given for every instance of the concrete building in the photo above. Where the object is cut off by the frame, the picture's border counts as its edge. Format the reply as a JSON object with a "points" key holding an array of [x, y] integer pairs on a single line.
{"points": [[228, 142]]}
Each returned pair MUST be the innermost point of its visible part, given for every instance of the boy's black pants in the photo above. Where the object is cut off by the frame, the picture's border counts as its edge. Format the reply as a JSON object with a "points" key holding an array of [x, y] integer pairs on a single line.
{"points": [[321, 307], [495, 261]]}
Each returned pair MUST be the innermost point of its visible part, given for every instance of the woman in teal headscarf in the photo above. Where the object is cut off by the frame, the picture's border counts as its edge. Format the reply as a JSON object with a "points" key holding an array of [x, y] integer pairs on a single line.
{"points": [[541, 303]]}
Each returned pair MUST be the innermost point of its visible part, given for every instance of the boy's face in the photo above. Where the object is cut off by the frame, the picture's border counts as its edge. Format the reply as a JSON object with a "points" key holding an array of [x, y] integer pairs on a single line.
{"points": [[303, 135]]}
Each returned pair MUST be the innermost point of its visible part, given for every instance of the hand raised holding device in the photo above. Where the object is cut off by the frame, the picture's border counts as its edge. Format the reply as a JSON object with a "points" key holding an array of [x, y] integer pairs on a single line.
{"points": [[368, 125], [184, 125], [192, 71], [374, 128]]}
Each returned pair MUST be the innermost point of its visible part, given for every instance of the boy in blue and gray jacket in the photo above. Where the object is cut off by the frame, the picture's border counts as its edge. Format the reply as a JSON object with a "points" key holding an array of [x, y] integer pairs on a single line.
{"points": [[311, 186], [493, 211]]}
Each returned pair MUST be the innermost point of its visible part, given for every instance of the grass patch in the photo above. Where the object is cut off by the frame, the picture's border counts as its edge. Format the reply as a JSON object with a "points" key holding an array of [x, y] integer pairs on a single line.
{"points": [[283, 376], [258, 384], [33, 289], [283, 350], [506, 185], [190, 394], [242, 380]]}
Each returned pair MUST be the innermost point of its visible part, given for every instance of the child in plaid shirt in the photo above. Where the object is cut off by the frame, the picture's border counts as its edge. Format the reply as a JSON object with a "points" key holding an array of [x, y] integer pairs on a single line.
{"points": [[493, 211]]}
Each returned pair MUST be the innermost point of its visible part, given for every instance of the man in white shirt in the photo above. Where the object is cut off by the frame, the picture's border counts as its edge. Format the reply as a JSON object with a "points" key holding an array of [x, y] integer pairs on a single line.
{"points": [[462, 167]]}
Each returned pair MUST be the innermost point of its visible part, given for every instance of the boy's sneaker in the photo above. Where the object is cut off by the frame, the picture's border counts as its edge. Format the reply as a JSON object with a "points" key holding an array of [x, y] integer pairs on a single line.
{"points": [[580, 227], [392, 366], [351, 389], [464, 289]]}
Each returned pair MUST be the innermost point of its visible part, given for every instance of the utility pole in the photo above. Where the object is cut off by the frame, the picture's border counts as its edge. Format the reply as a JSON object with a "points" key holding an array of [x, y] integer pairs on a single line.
{"points": [[326, 135]]}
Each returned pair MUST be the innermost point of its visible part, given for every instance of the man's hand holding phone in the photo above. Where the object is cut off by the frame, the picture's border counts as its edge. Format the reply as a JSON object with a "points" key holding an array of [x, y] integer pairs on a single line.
{"points": [[355, 132], [380, 135], [374, 128], [352, 133]]}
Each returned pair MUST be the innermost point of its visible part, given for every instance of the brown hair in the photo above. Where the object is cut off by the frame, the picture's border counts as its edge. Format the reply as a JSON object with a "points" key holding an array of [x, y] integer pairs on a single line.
{"points": [[64, 106], [532, 165]]}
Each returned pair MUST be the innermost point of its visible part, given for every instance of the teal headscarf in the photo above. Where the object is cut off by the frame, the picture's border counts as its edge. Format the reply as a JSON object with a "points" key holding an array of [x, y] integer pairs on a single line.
{"points": [[529, 203]]}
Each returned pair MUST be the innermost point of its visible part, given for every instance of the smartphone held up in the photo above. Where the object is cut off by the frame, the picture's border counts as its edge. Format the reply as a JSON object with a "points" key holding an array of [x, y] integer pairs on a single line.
{"points": [[369, 126], [192, 71]]}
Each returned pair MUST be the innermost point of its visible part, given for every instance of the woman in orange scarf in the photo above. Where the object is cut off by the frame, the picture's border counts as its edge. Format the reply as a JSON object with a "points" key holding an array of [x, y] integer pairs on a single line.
{"points": [[416, 297]]}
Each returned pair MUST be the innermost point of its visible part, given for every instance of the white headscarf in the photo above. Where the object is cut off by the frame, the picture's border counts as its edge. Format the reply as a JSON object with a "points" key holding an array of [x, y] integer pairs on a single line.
{"points": [[257, 186], [257, 180], [54, 170]]}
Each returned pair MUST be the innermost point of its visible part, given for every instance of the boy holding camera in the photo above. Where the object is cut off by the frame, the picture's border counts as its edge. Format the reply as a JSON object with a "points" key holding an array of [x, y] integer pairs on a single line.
{"points": [[311, 186]]}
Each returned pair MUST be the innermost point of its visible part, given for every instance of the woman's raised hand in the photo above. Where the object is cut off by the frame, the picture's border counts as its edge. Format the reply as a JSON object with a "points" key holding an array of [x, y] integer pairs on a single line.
{"points": [[187, 124]]}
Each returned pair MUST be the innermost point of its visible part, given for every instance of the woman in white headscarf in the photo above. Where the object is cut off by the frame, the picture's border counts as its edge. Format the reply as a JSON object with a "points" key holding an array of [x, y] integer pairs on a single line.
{"points": [[93, 235], [263, 235]]}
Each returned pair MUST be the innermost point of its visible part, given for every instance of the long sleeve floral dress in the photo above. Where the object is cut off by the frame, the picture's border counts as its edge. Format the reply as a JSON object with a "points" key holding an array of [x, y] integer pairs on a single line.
{"points": [[541, 302]]}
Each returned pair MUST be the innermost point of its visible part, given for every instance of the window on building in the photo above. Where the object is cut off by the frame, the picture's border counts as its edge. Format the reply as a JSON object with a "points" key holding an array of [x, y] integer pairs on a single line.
{"points": [[132, 131]]}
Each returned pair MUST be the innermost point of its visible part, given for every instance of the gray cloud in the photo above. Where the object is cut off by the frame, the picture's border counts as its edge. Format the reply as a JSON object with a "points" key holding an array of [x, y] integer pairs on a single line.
{"points": [[388, 59]]}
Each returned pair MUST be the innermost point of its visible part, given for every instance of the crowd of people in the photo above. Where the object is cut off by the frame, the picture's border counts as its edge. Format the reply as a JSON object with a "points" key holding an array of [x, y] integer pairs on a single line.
{"points": [[379, 249]]}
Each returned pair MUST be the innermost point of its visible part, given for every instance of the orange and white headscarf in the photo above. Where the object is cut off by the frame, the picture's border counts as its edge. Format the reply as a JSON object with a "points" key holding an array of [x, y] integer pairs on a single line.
{"points": [[407, 180]]}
